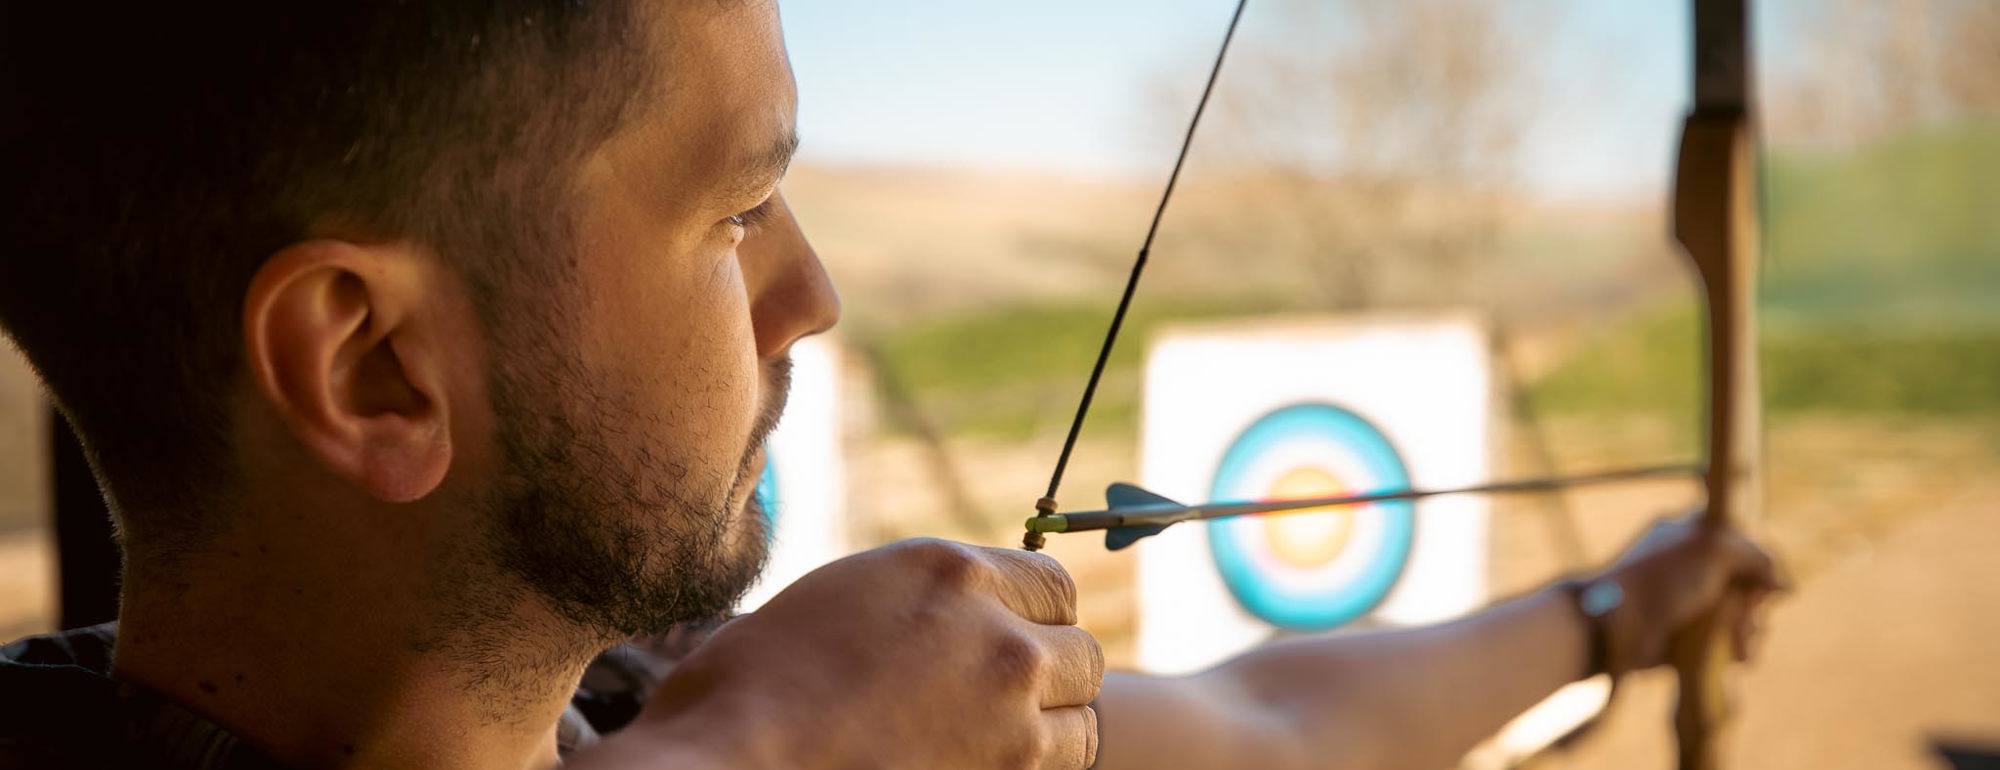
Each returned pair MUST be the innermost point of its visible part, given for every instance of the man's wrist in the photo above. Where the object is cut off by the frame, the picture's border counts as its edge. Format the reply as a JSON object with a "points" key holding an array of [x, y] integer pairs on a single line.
{"points": [[1594, 599]]}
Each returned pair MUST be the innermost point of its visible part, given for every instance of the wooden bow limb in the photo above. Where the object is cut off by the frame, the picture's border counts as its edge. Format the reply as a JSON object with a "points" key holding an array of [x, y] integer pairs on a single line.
{"points": [[1715, 220]]}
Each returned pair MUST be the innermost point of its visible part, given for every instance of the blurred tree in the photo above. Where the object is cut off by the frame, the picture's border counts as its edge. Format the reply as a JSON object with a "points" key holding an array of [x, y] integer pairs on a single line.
{"points": [[1371, 141], [1869, 69], [1972, 57]]}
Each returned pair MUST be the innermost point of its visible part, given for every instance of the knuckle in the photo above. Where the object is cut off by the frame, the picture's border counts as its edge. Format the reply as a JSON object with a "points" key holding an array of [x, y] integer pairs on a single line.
{"points": [[946, 565], [1017, 663], [1050, 589], [1061, 582], [1089, 736], [1033, 750], [1097, 663], [1082, 660], [1042, 746]]}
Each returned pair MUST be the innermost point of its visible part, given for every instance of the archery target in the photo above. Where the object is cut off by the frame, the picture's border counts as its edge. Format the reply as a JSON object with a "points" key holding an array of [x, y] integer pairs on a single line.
{"points": [[1311, 570], [767, 500], [802, 490], [1312, 408]]}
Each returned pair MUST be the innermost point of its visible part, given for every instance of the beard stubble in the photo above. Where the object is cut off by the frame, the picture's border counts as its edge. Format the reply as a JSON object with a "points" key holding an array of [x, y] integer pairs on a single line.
{"points": [[613, 532]]}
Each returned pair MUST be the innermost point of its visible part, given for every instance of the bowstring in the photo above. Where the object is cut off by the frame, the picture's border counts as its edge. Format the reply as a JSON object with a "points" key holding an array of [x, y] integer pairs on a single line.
{"points": [[1047, 505]]}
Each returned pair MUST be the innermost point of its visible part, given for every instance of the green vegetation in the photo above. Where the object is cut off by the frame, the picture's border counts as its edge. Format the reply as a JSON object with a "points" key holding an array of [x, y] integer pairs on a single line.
{"points": [[1651, 364], [1008, 371], [1927, 196], [1905, 233], [1882, 295]]}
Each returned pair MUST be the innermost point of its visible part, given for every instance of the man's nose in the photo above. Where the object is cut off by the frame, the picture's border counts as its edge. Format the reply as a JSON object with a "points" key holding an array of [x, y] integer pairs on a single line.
{"points": [[791, 295]]}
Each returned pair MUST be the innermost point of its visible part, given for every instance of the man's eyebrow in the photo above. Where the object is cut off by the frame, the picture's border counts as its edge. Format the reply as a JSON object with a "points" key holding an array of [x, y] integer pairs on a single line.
{"points": [[765, 168]]}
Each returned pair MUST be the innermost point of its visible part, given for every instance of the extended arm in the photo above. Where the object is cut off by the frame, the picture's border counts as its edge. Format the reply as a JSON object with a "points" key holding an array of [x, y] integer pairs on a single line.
{"points": [[1418, 698]]}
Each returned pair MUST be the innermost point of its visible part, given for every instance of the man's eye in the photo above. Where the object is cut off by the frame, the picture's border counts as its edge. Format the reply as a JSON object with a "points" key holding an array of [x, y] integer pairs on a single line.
{"points": [[753, 217]]}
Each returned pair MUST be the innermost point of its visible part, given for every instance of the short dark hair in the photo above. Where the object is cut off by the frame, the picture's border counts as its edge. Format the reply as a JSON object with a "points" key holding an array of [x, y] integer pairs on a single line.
{"points": [[154, 154]]}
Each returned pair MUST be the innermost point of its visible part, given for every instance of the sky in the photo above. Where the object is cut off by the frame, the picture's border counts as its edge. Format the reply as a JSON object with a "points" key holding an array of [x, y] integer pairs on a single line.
{"points": [[1072, 86]]}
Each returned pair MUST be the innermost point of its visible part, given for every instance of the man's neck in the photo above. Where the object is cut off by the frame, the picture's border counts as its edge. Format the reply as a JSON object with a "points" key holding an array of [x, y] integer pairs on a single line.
{"points": [[353, 660]]}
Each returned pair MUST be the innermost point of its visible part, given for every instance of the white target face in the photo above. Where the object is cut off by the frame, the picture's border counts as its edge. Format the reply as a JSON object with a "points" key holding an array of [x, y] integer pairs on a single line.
{"points": [[1304, 410], [803, 491]]}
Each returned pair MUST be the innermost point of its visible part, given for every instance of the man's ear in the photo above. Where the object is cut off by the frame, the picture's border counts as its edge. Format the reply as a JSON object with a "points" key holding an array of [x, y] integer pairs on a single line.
{"points": [[337, 345]]}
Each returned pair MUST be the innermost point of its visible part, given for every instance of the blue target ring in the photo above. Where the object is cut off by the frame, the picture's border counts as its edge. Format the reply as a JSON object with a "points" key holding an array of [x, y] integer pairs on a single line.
{"points": [[1349, 564], [767, 498]]}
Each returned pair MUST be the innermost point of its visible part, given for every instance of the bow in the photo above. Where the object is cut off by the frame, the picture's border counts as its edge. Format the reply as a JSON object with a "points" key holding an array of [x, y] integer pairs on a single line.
{"points": [[1715, 222]]}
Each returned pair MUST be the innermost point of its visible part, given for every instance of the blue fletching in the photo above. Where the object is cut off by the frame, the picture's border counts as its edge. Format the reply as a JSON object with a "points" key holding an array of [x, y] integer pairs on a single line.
{"points": [[1122, 495], [1121, 538]]}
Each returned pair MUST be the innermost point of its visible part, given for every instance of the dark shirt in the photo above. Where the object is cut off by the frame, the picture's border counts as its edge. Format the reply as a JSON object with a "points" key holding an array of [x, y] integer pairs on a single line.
{"points": [[60, 709]]}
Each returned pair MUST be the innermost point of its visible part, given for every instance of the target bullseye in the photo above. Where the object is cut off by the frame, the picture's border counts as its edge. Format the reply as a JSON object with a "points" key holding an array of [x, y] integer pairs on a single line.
{"points": [[1308, 537], [1312, 571]]}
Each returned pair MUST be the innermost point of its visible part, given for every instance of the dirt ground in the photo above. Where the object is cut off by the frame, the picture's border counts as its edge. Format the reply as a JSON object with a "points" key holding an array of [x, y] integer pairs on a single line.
{"points": [[1888, 527], [1881, 651]]}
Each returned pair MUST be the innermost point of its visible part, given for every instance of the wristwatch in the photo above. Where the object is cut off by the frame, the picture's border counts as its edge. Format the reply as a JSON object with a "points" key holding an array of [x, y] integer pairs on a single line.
{"points": [[1595, 600]]}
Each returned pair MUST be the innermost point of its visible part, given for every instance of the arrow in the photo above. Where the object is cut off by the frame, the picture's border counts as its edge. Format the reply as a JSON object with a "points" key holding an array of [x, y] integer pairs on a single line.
{"points": [[1133, 513]]}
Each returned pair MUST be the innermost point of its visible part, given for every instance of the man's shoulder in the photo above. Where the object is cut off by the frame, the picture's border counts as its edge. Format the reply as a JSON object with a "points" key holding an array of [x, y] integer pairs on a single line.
{"points": [[60, 708], [87, 648], [57, 710], [44, 677]]}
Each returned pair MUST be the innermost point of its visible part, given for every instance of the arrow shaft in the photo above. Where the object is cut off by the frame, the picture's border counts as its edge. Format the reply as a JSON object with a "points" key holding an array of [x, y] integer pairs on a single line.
{"points": [[1087, 521]]}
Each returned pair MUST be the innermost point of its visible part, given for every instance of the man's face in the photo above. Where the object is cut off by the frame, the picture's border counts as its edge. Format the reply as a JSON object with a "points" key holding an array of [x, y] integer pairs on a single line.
{"points": [[632, 405]]}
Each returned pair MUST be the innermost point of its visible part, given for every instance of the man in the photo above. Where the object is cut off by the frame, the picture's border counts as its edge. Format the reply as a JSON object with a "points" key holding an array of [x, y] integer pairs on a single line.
{"points": [[425, 351]]}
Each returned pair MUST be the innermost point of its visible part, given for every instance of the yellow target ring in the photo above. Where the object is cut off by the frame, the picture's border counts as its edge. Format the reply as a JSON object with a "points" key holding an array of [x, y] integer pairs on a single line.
{"points": [[1314, 536]]}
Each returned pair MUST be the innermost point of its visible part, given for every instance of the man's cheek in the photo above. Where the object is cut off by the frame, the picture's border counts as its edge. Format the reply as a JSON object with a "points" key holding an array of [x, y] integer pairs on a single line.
{"points": [[744, 369], [729, 380]]}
